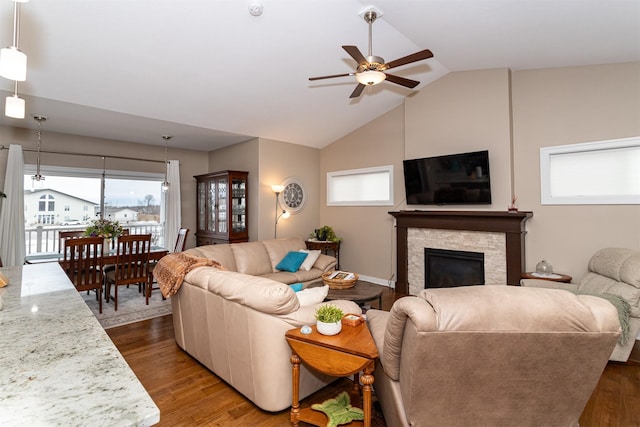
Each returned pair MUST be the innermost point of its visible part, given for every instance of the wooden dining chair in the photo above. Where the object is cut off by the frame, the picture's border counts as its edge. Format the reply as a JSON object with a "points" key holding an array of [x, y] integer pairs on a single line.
{"points": [[181, 241], [132, 263], [82, 262], [63, 236]]}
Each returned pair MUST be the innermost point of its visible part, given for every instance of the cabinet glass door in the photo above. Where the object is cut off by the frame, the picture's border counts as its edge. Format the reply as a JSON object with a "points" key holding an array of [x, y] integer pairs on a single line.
{"points": [[222, 205], [202, 205], [238, 205], [211, 202]]}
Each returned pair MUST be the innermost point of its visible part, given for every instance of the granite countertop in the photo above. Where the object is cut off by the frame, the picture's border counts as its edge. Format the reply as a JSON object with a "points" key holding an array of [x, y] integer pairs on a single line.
{"points": [[58, 366]]}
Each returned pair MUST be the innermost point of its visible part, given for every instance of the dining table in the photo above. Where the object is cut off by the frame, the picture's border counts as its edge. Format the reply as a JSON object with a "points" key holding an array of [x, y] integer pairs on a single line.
{"points": [[155, 254]]}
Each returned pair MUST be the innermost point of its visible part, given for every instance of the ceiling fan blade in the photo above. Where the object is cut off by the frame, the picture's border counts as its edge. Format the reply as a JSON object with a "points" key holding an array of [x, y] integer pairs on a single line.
{"points": [[355, 53], [357, 91], [331, 77], [402, 81], [418, 56]]}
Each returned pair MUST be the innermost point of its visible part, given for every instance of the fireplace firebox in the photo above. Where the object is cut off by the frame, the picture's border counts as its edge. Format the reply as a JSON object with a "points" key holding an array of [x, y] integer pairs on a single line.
{"points": [[444, 268]]}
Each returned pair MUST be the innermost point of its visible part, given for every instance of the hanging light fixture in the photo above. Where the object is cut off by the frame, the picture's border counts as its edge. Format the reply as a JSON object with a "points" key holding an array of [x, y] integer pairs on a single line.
{"points": [[370, 77], [37, 176], [13, 62], [14, 105], [165, 183]]}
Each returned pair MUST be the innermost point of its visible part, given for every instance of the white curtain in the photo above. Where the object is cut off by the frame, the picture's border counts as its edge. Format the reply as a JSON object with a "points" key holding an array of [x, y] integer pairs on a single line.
{"points": [[172, 206], [12, 248]]}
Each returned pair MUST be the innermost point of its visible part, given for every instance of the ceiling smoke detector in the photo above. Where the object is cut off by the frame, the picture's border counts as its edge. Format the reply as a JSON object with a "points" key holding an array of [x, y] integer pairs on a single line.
{"points": [[256, 8]]}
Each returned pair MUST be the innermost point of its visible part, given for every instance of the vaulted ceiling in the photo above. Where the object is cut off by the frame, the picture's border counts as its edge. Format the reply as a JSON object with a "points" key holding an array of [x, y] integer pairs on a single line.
{"points": [[211, 74]]}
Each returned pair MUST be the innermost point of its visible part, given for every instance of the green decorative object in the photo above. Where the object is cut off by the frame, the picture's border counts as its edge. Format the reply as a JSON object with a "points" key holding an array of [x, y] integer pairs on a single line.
{"points": [[104, 228], [325, 233], [339, 410], [329, 313]]}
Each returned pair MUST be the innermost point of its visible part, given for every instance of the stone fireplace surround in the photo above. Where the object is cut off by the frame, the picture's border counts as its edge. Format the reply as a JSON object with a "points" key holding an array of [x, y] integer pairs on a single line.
{"points": [[499, 235]]}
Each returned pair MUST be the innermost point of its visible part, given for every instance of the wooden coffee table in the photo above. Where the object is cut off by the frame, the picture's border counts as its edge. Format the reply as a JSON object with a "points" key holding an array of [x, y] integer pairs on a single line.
{"points": [[360, 293], [348, 353]]}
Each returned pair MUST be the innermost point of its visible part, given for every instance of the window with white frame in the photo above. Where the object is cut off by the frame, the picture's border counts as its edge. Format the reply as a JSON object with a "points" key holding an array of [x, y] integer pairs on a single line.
{"points": [[601, 172], [131, 197], [361, 187]]}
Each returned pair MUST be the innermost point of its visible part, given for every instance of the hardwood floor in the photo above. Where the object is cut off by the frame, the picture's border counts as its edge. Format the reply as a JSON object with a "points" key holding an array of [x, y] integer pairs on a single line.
{"points": [[188, 394]]}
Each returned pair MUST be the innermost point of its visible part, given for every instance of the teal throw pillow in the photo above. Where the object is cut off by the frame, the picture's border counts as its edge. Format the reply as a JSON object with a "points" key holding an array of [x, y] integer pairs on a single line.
{"points": [[296, 287], [291, 262]]}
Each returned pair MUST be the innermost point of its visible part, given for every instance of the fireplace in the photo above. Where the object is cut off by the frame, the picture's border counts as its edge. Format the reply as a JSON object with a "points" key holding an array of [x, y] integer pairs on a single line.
{"points": [[444, 268], [499, 235]]}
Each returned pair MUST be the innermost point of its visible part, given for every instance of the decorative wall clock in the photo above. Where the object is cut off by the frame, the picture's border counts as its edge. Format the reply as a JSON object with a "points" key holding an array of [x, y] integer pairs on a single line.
{"points": [[293, 196]]}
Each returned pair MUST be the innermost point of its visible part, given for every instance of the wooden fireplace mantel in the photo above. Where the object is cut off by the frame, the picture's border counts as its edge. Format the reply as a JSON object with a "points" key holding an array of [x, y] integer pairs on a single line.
{"points": [[510, 223]]}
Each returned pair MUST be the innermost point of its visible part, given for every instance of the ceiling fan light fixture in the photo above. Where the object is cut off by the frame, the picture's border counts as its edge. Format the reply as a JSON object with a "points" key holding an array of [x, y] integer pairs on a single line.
{"points": [[370, 77]]}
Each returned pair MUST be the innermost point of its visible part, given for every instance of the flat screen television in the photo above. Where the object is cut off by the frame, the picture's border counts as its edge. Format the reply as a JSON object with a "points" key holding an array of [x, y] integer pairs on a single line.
{"points": [[455, 179]]}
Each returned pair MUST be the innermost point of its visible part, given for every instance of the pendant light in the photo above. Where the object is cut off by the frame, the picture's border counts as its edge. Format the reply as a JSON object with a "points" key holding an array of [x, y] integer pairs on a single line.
{"points": [[37, 176], [14, 106], [13, 62], [165, 183]]}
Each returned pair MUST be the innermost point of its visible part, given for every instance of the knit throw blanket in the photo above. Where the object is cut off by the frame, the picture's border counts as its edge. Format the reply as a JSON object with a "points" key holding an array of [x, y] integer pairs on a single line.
{"points": [[623, 307], [172, 268]]}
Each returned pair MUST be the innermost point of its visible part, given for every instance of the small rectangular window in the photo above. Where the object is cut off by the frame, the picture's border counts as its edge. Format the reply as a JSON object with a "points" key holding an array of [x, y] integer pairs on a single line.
{"points": [[601, 173], [361, 187]]}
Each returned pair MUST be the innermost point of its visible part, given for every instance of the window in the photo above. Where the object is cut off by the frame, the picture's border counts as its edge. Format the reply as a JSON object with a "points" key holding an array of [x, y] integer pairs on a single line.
{"points": [[133, 198], [361, 187], [47, 203], [602, 172]]}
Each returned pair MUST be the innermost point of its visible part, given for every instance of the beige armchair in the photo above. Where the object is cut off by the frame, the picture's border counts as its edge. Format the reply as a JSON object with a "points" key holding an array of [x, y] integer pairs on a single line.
{"points": [[614, 271], [491, 356]]}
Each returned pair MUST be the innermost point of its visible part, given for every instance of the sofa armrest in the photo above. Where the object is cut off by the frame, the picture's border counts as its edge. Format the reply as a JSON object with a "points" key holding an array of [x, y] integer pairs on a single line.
{"points": [[325, 263], [407, 309], [548, 284], [377, 322]]}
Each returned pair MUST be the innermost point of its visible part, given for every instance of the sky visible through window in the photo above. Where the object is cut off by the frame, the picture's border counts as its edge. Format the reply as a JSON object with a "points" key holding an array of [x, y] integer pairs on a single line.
{"points": [[118, 192]]}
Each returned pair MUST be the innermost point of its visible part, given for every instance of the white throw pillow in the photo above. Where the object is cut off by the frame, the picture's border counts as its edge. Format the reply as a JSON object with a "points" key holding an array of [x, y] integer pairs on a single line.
{"points": [[312, 296], [312, 257]]}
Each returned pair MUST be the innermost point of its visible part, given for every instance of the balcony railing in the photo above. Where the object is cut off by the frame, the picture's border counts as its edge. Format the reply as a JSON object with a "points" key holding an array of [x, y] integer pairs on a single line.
{"points": [[46, 238]]}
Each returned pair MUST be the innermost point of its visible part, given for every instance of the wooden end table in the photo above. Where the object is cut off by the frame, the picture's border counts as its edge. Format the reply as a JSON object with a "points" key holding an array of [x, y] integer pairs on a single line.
{"points": [[348, 353], [325, 246]]}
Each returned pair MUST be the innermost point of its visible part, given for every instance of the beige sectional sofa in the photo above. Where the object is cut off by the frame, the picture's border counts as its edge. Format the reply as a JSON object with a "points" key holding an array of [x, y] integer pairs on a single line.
{"points": [[260, 258], [233, 321]]}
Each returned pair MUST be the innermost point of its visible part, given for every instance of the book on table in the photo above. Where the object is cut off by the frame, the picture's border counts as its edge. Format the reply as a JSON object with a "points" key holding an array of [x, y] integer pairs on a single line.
{"points": [[341, 275]]}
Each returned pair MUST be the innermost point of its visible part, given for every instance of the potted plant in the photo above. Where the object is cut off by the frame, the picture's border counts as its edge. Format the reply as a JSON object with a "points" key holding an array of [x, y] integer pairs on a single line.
{"points": [[106, 229], [329, 319], [325, 233]]}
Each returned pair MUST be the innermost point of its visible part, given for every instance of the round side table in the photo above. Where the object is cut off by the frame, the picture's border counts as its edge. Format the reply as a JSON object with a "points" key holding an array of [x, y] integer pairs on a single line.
{"points": [[555, 277]]}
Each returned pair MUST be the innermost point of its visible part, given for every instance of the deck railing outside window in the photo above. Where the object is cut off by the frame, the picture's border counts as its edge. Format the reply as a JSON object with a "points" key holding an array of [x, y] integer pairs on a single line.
{"points": [[44, 238]]}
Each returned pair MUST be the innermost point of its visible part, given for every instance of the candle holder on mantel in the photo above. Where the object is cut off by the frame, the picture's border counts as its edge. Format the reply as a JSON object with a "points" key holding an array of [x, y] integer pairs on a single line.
{"points": [[512, 207]]}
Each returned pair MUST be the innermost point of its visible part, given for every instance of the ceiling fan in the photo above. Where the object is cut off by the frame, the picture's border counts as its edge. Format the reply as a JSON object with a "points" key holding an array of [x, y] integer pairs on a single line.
{"points": [[371, 70]]}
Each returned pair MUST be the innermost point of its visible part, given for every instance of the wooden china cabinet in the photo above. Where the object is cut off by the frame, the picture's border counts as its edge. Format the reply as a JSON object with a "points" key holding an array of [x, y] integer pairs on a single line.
{"points": [[222, 207]]}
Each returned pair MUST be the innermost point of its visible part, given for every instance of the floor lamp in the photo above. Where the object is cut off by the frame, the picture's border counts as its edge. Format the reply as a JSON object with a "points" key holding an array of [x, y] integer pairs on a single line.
{"points": [[279, 214]]}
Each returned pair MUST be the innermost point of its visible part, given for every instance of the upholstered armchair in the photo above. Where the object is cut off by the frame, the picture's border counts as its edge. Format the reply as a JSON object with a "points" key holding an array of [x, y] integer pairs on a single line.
{"points": [[491, 356], [614, 271]]}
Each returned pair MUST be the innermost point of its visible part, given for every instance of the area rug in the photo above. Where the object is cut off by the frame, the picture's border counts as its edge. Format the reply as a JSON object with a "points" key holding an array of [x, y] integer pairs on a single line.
{"points": [[131, 307]]}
